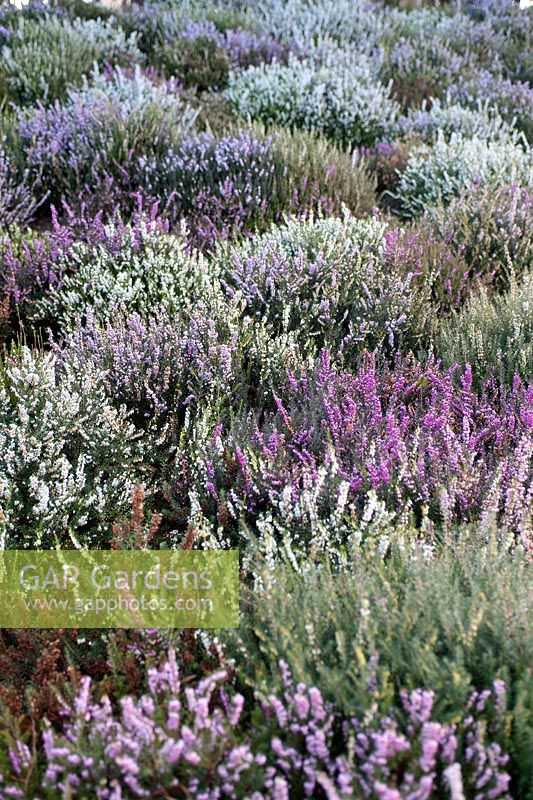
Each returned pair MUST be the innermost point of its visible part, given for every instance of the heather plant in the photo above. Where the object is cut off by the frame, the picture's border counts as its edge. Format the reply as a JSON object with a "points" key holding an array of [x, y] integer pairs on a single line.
{"points": [[436, 262], [358, 23], [380, 627], [70, 459], [200, 54], [490, 227], [327, 281], [19, 194], [421, 67], [176, 736], [318, 174], [493, 333], [512, 99], [157, 365], [135, 267], [89, 144], [219, 186], [443, 118], [339, 98], [438, 174], [159, 22], [45, 55], [419, 436]]}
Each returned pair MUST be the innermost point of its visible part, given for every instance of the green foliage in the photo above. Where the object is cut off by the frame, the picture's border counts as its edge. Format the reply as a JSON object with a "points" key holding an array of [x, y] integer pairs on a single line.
{"points": [[198, 62], [44, 56], [447, 619], [493, 333]]}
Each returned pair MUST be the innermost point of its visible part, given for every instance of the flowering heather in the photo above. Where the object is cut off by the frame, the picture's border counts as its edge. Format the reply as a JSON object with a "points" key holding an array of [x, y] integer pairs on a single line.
{"points": [[34, 269], [43, 56], [339, 98], [59, 477], [89, 143], [420, 437], [190, 737], [19, 196], [436, 175], [513, 99], [158, 364], [327, 281], [265, 283], [218, 186]]}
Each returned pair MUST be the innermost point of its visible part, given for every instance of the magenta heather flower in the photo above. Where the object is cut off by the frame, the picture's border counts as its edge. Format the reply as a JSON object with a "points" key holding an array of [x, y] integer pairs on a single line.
{"points": [[417, 435]]}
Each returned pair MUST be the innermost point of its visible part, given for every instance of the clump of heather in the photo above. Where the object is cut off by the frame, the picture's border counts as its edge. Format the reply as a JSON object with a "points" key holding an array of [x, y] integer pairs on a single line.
{"points": [[20, 196], [493, 333], [444, 118], [339, 98], [328, 282], [70, 459], [417, 435], [437, 174], [489, 227], [191, 737], [219, 186], [512, 99], [157, 365], [435, 259], [90, 262], [421, 67], [136, 267], [43, 56], [87, 146]]}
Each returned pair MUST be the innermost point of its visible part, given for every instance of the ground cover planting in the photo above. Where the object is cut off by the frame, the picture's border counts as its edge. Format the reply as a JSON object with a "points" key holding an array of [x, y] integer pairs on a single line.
{"points": [[266, 285]]}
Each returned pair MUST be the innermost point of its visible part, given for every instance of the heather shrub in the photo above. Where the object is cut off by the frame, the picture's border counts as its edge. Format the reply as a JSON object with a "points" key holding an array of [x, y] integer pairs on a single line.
{"points": [[137, 268], [326, 280], [381, 627], [512, 99], [317, 173], [436, 262], [70, 459], [20, 196], [88, 146], [420, 437], [421, 67], [198, 61], [438, 174], [339, 98], [220, 186], [490, 227], [191, 737], [158, 22], [45, 55], [246, 48], [493, 333], [440, 118], [358, 23], [166, 362]]}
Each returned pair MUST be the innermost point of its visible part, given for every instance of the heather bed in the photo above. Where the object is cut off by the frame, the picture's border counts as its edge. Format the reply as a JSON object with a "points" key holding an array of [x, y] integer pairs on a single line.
{"points": [[265, 282]]}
